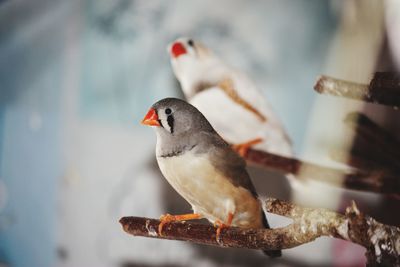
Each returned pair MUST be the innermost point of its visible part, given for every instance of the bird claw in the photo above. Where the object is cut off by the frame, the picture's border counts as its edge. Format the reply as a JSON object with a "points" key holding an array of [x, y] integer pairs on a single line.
{"points": [[242, 149], [165, 218], [220, 226], [218, 233]]}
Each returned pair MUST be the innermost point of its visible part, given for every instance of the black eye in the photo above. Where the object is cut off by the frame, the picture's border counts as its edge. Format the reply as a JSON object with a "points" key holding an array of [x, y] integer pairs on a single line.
{"points": [[168, 111], [190, 42]]}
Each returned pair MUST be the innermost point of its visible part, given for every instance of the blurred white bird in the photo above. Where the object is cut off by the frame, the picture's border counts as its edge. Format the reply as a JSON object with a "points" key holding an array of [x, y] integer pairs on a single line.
{"points": [[237, 110], [228, 98]]}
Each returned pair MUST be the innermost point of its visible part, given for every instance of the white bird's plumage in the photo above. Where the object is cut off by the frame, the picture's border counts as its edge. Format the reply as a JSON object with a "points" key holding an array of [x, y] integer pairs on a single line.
{"points": [[201, 73]]}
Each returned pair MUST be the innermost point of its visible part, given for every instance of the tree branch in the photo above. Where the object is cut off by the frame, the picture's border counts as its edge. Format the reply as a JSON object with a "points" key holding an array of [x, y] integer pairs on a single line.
{"points": [[381, 241], [355, 158], [383, 89], [377, 181]]}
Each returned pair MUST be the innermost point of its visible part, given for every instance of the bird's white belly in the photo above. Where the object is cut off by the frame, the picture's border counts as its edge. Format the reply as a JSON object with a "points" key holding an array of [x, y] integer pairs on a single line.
{"points": [[210, 193]]}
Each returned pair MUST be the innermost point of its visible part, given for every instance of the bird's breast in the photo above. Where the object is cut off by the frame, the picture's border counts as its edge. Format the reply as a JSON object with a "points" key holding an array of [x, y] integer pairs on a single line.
{"points": [[208, 191]]}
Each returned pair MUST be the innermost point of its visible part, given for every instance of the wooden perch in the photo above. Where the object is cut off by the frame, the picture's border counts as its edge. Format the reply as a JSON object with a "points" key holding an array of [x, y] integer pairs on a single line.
{"points": [[373, 181], [354, 158], [382, 242], [383, 89]]}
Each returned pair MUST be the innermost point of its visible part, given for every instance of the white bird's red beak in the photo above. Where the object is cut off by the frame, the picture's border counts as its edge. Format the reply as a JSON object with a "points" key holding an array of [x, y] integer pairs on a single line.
{"points": [[178, 49], [151, 118]]}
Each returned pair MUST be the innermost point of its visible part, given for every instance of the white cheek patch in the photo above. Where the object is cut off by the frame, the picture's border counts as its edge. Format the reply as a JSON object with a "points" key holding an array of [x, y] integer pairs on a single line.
{"points": [[164, 121]]}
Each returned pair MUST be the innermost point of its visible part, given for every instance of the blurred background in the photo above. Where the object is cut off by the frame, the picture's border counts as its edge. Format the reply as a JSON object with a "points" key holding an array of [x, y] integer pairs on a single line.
{"points": [[76, 78]]}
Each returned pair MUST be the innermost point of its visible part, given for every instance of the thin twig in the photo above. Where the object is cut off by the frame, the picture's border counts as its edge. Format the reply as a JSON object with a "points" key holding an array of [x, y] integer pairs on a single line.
{"points": [[381, 241], [383, 89], [377, 181]]}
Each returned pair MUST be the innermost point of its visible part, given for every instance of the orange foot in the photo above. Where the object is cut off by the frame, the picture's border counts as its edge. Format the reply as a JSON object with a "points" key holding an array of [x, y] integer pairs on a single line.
{"points": [[243, 148], [166, 218], [222, 225]]}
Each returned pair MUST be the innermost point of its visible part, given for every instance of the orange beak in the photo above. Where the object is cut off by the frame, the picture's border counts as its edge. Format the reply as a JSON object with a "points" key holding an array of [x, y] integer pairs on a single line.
{"points": [[151, 118]]}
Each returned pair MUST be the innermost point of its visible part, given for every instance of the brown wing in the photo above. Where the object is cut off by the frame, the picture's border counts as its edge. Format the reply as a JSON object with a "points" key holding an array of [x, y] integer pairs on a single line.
{"points": [[227, 161]]}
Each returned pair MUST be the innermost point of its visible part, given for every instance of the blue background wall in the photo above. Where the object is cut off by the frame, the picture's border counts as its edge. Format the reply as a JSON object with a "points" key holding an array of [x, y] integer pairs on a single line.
{"points": [[110, 58]]}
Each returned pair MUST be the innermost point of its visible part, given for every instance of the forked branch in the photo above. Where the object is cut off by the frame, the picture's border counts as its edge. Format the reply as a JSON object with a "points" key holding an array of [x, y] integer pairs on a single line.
{"points": [[382, 242]]}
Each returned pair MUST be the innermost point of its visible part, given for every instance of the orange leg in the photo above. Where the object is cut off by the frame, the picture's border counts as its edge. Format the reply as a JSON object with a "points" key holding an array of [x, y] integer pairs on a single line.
{"points": [[222, 225], [166, 218], [243, 148]]}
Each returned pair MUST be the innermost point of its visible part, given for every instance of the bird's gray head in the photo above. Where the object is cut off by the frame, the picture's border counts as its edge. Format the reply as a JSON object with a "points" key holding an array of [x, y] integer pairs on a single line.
{"points": [[175, 118]]}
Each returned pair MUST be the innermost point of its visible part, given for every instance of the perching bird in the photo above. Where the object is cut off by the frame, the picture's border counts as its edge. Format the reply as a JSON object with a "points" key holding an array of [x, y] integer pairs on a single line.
{"points": [[228, 98], [203, 169]]}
